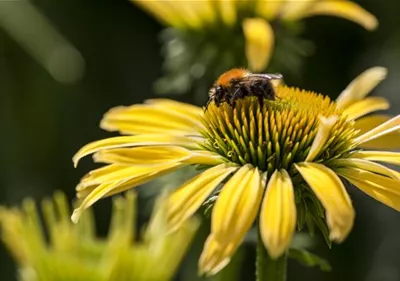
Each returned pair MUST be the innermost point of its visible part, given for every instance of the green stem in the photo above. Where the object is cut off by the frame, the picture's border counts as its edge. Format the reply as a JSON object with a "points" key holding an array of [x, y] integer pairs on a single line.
{"points": [[268, 269]]}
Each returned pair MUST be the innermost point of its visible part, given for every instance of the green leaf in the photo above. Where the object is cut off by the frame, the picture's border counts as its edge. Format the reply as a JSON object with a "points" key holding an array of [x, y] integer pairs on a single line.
{"points": [[309, 259]]}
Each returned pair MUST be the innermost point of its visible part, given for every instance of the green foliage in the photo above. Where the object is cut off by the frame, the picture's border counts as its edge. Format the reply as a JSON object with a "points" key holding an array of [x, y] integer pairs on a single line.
{"points": [[73, 252], [309, 259], [194, 58]]}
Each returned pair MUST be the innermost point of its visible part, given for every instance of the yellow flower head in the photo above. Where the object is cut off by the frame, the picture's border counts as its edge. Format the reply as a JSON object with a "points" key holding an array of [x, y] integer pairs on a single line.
{"points": [[75, 253], [210, 36], [272, 162]]}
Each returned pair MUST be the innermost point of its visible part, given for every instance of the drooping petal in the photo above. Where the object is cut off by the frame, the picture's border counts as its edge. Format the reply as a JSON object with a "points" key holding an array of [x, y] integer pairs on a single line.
{"points": [[134, 141], [382, 156], [322, 135], [215, 256], [184, 202], [392, 125], [330, 191], [361, 86], [366, 106], [259, 43], [123, 173], [363, 164], [233, 214], [227, 10], [111, 184], [180, 14], [237, 204], [295, 9], [381, 188], [278, 214], [134, 182], [162, 11], [154, 117], [388, 141], [344, 9], [269, 9], [196, 13]]}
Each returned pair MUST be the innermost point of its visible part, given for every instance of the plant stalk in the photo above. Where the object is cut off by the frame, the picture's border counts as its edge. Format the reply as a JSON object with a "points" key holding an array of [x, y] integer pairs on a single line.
{"points": [[268, 269]]}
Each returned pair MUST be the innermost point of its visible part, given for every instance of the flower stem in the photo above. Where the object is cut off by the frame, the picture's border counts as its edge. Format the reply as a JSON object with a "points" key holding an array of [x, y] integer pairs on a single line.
{"points": [[268, 269]]}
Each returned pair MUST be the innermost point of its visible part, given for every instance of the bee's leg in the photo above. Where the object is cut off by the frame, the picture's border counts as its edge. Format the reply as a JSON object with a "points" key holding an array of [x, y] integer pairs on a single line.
{"points": [[236, 95], [229, 99], [260, 100], [207, 104]]}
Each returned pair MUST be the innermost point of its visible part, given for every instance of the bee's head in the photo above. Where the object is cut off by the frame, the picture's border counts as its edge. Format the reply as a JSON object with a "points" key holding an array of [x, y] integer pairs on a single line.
{"points": [[212, 92]]}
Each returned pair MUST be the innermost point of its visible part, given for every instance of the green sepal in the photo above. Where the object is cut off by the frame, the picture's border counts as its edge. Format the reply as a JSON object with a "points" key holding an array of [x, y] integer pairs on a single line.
{"points": [[309, 259], [316, 216]]}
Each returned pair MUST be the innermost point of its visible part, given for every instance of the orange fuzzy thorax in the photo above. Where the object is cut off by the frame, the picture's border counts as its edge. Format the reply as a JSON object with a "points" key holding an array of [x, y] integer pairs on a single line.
{"points": [[225, 78]]}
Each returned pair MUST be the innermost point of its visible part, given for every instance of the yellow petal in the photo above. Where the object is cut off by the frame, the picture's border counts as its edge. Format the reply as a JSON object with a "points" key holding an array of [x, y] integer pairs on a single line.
{"points": [[134, 141], [388, 141], [215, 256], [124, 173], [233, 214], [194, 13], [162, 11], [324, 130], [392, 125], [269, 9], [184, 108], [142, 155], [227, 11], [278, 214], [150, 155], [295, 9], [366, 106], [344, 9], [152, 119], [134, 182], [382, 156], [237, 205], [363, 164], [184, 202], [381, 188], [112, 184], [259, 43], [204, 158], [180, 14], [361, 86], [328, 188], [100, 172]]}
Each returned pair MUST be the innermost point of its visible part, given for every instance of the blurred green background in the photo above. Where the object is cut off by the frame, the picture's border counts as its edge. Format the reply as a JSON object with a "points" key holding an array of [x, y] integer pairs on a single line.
{"points": [[44, 122]]}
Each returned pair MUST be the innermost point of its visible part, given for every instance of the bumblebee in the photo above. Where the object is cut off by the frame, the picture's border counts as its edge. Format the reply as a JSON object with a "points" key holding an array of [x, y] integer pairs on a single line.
{"points": [[238, 83]]}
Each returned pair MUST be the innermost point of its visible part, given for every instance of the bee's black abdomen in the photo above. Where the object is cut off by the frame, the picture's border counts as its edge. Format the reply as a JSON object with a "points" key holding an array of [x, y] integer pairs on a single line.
{"points": [[261, 89]]}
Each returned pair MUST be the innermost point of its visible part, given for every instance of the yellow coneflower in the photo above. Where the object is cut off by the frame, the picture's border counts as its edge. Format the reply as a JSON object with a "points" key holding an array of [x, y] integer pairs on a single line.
{"points": [[271, 162], [73, 252], [252, 18]]}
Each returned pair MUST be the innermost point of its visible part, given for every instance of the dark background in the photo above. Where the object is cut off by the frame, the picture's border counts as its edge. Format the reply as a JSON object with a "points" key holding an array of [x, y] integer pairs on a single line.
{"points": [[44, 122]]}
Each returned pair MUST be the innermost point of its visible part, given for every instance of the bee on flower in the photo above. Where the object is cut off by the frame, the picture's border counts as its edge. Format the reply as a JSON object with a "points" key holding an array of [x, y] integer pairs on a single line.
{"points": [[272, 163]]}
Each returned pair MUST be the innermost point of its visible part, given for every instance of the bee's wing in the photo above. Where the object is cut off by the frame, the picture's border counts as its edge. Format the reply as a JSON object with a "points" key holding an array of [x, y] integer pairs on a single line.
{"points": [[267, 75]]}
